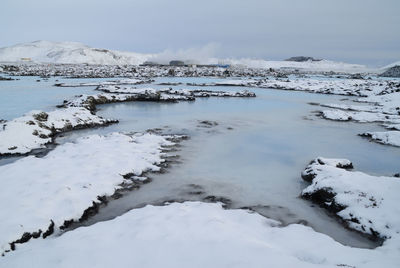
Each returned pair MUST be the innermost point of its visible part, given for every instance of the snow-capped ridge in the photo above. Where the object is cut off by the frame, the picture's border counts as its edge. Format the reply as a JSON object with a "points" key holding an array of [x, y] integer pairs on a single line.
{"points": [[68, 52]]}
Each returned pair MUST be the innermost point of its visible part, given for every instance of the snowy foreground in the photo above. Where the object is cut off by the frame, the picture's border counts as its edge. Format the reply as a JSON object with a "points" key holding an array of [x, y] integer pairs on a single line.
{"points": [[40, 195], [195, 234]]}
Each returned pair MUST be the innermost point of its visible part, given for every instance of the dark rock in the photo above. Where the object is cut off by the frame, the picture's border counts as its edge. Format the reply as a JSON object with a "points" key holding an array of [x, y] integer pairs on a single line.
{"points": [[325, 198], [41, 116], [42, 136], [176, 63], [6, 78], [212, 198], [356, 76], [207, 123], [392, 72], [171, 72], [302, 59], [49, 231]]}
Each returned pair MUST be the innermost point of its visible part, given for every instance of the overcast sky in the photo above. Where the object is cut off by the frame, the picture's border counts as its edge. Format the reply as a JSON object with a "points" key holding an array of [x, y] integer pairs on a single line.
{"points": [[359, 31]]}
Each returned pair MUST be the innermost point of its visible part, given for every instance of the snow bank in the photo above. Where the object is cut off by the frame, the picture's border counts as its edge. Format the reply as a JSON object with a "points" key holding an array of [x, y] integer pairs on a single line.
{"points": [[63, 184], [96, 84], [68, 52], [389, 103], [362, 117], [366, 203], [383, 106], [169, 91], [194, 234], [348, 87], [237, 82], [35, 129], [385, 137]]}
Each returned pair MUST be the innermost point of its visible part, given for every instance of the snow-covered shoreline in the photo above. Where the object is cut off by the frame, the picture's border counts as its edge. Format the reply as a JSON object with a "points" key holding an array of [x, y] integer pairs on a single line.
{"points": [[381, 108], [36, 129], [73, 177], [365, 203]]}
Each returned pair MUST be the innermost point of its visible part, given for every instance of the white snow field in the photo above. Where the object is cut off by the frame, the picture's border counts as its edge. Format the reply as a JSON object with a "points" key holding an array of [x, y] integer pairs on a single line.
{"points": [[63, 184], [195, 234]]}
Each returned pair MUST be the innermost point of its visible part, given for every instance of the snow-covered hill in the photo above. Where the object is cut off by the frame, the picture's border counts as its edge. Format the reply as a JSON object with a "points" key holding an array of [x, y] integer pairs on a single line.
{"points": [[68, 52]]}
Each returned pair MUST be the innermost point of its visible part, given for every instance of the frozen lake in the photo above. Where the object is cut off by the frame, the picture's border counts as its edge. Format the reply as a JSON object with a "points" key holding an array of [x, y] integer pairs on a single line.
{"points": [[253, 155]]}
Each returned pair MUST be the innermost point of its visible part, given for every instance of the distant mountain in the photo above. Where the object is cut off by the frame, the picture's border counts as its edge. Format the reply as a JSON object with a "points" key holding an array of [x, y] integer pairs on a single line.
{"points": [[302, 59], [68, 52], [77, 53]]}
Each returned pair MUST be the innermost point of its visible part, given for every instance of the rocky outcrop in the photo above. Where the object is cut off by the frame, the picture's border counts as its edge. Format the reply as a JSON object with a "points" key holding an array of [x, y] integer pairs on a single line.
{"points": [[302, 59], [392, 72]]}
